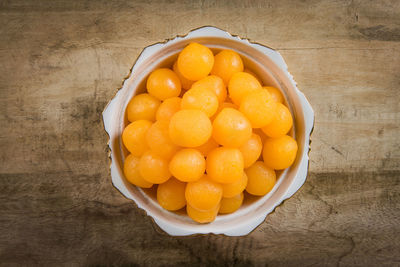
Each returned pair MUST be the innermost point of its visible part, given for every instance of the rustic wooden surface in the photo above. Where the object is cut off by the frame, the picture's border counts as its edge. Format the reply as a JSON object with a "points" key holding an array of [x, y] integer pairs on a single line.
{"points": [[61, 61]]}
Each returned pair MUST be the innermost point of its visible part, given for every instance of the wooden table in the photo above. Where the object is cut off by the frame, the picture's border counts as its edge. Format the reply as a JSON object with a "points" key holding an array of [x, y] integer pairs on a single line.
{"points": [[62, 61]]}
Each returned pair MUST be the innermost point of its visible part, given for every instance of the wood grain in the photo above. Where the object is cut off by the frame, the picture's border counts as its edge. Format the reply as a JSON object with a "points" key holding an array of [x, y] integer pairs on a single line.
{"points": [[62, 61]]}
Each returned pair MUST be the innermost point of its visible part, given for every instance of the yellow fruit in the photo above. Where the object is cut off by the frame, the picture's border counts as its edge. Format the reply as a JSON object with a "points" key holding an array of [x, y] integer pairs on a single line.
{"points": [[281, 122], [258, 107], [171, 194], [158, 140], [221, 107], [199, 131], [186, 84], [202, 216], [275, 93], [225, 165], [232, 189], [195, 61], [253, 73], [232, 204], [231, 128], [226, 63], [207, 147], [187, 165], [134, 137], [131, 171], [142, 107], [200, 98], [261, 179], [154, 168], [251, 150], [279, 153], [203, 194], [213, 83], [168, 108], [190, 128], [240, 85], [163, 83]]}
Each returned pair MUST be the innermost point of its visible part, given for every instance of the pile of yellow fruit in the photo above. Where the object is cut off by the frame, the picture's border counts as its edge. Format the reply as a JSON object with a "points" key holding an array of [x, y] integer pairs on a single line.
{"points": [[201, 142]]}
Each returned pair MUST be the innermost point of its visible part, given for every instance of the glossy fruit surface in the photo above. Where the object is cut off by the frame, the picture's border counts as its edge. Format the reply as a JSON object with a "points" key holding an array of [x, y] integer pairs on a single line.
{"points": [[231, 128], [276, 94], [168, 108], [142, 107], [251, 150], [225, 165], [132, 174], [281, 122], [261, 179], [200, 98], [202, 216], [187, 165], [154, 168], [171, 194], [232, 189], [240, 85], [195, 61], [203, 194], [163, 83], [279, 153], [226, 63], [190, 128], [215, 84], [232, 204], [258, 107], [134, 137], [158, 140]]}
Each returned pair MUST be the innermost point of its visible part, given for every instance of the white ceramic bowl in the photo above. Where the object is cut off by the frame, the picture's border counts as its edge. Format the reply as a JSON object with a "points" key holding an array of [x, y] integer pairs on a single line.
{"points": [[271, 68]]}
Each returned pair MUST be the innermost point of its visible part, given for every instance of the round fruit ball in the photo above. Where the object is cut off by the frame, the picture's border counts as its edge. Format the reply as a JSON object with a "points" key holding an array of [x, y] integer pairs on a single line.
{"points": [[202, 216], [163, 83], [168, 108], [134, 137], [200, 98], [240, 85], [132, 174], [279, 153], [281, 122], [261, 179], [232, 204], [203, 194], [171, 194], [187, 165], [142, 107], [226, 63], [275, 93], [190, 128], [158, 140], [235, 188], [251, 150], [213, 83], [258, 107], [154, 168], [225, 165], [195, 61], [249, 71], [231, 128]]}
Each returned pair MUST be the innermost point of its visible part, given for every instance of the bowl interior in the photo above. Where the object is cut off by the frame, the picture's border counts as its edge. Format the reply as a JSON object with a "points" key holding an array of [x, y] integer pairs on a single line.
{"points": [[270, 74]]}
